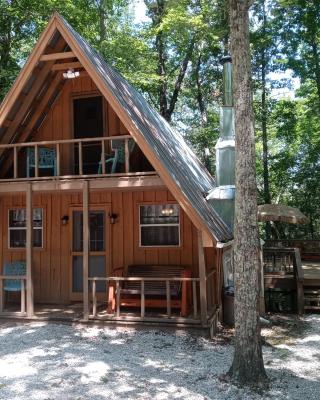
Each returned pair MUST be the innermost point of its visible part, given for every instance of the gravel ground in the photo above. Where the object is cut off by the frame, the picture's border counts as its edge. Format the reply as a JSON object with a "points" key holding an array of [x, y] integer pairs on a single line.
{"points": [[57, 361]]}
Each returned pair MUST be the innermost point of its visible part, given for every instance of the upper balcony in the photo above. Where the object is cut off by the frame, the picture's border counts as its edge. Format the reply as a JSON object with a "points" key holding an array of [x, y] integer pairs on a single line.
{"points": [[112, 156]]}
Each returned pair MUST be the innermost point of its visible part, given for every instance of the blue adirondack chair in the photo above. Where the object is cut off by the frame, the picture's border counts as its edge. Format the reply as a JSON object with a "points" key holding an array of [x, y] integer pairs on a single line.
{"points": [[46, 159], [17, 268], [13, 268], [118, 147]]}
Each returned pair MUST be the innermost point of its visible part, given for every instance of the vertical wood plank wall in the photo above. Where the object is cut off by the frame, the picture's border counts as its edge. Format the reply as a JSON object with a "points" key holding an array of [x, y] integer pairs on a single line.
{"points": [[52, 264], [58, 124]]}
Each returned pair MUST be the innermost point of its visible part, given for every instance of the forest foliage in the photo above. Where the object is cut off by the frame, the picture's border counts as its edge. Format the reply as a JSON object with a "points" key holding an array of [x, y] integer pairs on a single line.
{"points": [[173, 55]]}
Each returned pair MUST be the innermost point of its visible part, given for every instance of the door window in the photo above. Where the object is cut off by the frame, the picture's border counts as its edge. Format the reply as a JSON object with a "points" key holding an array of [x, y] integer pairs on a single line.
{"points": [[96, 222], [97, 262]]}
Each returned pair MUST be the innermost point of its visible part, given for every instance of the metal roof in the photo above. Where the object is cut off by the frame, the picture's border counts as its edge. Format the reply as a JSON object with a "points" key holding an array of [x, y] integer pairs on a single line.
{"points": [[166, 143]]}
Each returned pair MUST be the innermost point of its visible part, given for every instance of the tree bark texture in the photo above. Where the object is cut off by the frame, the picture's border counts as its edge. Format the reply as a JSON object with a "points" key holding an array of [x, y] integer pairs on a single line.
{"points": [[247, 367], [201, 103]]}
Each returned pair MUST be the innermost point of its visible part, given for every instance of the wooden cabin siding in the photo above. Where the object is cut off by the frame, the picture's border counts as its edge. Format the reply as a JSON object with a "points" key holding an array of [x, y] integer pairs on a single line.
{"points": [[52, 263], [58, 124]]}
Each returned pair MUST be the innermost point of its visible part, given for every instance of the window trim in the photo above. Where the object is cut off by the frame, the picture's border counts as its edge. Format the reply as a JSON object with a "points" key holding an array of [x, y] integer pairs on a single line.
{"points": [[25, 228], [172, 246]]}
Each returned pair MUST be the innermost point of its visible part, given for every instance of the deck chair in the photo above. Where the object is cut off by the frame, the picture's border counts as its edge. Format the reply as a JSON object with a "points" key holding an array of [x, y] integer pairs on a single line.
{"points": [[46, 159], [15, 285], [118, 147]]}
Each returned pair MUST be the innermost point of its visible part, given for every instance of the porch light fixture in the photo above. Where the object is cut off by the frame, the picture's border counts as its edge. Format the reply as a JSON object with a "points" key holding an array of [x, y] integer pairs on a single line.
{"points": [[71, 74], [65, 219], [113, 217]]}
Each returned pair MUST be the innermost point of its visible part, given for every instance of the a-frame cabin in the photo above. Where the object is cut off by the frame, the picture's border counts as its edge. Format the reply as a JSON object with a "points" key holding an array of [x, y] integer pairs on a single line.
{"points": [[99, 195]]}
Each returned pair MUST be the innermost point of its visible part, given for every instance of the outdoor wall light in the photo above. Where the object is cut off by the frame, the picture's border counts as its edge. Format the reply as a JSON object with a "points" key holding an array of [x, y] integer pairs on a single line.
{"points": [[113, 218], [65, 219]]}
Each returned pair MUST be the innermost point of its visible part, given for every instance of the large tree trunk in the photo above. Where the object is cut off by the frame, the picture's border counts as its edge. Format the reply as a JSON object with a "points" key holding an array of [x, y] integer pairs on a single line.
{"points": [[200, 100], [102, 16], [157, 14], [247, 367]]}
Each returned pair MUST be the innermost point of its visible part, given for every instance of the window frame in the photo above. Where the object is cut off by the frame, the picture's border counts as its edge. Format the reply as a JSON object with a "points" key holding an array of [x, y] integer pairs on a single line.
{"points": [[25, 228], [172, 246]]}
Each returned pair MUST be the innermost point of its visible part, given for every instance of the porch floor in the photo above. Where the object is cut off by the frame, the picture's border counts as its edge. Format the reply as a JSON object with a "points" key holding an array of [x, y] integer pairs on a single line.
{"points": [[74, 313]]}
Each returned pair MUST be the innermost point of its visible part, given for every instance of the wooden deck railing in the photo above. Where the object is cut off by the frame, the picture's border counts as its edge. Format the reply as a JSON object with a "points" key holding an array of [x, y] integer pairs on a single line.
{"points": [[309, 249], [21, 278], [283, 268], [57, 145]]}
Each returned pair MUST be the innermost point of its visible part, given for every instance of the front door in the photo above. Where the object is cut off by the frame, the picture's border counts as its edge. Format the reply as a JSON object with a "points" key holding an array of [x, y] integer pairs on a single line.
{"points": [[99, 254]]}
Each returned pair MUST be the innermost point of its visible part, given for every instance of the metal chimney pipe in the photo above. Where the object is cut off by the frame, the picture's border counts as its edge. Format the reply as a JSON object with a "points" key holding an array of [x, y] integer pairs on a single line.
{"points": [[227, 81], [223, 195]]}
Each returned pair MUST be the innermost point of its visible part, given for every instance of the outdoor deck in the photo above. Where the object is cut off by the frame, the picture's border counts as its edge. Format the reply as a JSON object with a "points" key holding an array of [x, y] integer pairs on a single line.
{"points": [[284, 270], [311, 272], [311, 285]]}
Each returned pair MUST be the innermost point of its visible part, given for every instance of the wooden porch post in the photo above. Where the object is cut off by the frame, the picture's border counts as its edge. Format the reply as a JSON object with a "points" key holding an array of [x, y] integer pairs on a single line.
{"points": [[86, 249], [29, 248], [203, 283]]}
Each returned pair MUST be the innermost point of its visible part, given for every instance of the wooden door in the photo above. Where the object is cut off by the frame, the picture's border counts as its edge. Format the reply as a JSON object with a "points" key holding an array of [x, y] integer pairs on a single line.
{"points": [[99, 261]]}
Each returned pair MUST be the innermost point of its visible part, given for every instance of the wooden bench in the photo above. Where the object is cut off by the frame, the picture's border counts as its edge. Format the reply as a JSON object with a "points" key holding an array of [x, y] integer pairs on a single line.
{"points": [[155, 291]]}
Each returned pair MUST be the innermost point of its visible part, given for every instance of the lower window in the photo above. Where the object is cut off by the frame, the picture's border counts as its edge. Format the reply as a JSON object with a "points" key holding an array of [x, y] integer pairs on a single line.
{"points": [[18, 228], [159, 225]]}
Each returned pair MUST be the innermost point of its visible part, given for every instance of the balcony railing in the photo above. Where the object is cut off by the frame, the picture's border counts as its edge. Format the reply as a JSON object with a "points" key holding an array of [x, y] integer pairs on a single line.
{"points": [[99, 156]]}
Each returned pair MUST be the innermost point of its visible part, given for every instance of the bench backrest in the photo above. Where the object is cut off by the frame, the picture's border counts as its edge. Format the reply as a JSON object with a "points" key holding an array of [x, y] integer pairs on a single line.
{"points": [[13, 268], [157, 288]]}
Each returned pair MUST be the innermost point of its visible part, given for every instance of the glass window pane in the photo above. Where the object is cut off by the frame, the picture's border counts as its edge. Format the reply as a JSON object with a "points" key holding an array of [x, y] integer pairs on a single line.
{"points": [[37, 217], [97, 239], [97, 231], [159, 214], [97, 268], [77, 231], [160, 236], [17, 238], [37, 238], [77, 274], [17, 218]]}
